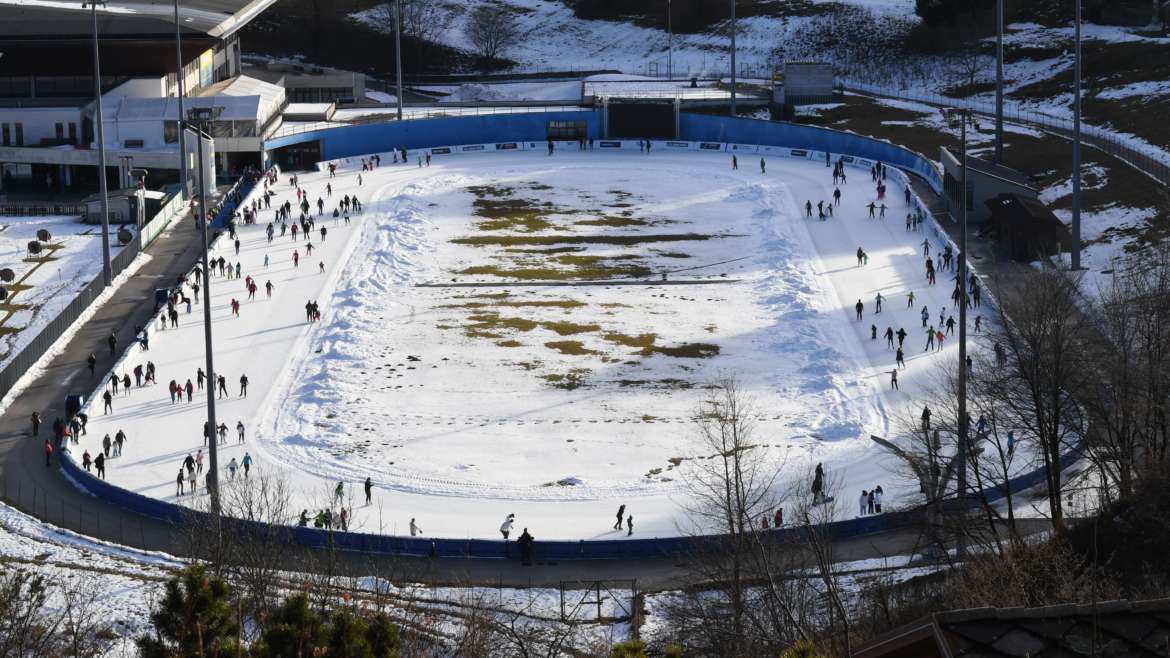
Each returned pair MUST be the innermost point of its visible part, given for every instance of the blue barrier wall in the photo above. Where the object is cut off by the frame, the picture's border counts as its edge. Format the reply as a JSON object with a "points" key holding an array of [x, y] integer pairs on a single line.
{"points": [[716, 129], [348, 141]]}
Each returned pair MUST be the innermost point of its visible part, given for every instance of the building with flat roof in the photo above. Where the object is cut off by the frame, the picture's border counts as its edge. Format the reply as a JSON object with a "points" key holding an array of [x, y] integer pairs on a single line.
{"points": [[47, 137]]}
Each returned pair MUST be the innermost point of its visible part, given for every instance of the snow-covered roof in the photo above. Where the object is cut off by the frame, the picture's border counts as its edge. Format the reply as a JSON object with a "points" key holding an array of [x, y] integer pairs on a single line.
{"points": [[242, 99], [215, 18]]}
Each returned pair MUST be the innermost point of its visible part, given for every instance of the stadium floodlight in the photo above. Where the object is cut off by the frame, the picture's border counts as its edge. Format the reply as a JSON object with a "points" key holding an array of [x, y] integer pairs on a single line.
{"points": [[107, 272]]}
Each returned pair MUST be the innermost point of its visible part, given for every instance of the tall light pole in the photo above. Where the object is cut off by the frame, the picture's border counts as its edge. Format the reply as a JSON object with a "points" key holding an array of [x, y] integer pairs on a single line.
{"points": [[200, 118], [398, 50], [99, 129], [1076, 165], [182, 115], [961, 283], [999, 82], [669, 42], [732, 57]]}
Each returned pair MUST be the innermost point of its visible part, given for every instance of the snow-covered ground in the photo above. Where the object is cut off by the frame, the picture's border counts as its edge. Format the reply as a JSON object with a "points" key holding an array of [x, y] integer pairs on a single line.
{"points": [[554, 403], [50, 281], [554, 39]]}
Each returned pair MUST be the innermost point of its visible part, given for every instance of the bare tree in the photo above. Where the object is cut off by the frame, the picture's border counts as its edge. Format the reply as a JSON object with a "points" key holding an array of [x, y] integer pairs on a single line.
{"points": [[492, 30], [1041, 363], [422, 20]]}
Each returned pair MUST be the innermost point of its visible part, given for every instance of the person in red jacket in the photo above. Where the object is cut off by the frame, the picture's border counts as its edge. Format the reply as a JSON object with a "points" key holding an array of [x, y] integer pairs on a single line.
{"points": [[48, 453]]}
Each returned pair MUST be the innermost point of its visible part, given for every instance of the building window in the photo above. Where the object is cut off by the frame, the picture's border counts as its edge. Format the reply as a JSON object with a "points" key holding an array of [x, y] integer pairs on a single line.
{"points": [[20, 134], [60, 130], [72, 133], [170, 132], [5, 135]]}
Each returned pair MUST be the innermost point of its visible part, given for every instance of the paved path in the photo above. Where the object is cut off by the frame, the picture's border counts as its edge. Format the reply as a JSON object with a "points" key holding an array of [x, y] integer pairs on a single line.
{"points": [[45, 493]]}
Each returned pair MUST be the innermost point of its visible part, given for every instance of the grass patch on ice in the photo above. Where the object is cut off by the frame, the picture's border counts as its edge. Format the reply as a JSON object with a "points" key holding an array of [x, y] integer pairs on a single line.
{"points": [[570, 328], [595, 271], [531, 303], [570, 347], [510, 343], [569, 381], [687, 351], [619, 240], [641, 341], [492, 322], [550, 251], [612, 221]]}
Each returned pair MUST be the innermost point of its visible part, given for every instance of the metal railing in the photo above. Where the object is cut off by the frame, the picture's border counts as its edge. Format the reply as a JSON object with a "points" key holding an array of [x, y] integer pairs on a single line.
{"points": [[1148, 158]]}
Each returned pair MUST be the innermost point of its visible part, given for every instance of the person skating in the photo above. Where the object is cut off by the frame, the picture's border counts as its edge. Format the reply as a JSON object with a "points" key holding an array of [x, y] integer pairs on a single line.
{"points": [[894, 379], [889, 336], [246, 462], [92, 362], [525, 541], [303, 521], [83, 418], [190, 390], [48, 452], [240, 431], [126, 384], [221, 430], [108, 403], [872, 207], [900, 358], [86, 461], [878, 303], [369, 487], [925, 314], [837, 196], [199, 377], [100, 465], [763, 166], [114, 381], [232, 466], [808, 208], [339, 492], [506, 526], [929, 339], [925, 418], [119, 440], [223, 392], [860, 256], [36, 423], [873, 332], [630, 525], [243, 386], [734, 163], [859, 307], [415, 528], [910, 300], [620, 513], [877, 499], [107, 443], [112, 341], [180, 481]]}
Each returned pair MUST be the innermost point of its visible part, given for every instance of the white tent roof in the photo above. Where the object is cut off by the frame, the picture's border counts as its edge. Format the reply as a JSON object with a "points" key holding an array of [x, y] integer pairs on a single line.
{"points": [[242, 99]]}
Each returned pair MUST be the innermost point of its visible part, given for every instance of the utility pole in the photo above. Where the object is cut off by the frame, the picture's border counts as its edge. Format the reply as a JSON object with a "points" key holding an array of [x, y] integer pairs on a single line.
{"points": [[398, 50], [1076, 166], [182, 115], [201, 118], [963, 422], [669, 42], [999, 82], [99, 129], [733, 58]]}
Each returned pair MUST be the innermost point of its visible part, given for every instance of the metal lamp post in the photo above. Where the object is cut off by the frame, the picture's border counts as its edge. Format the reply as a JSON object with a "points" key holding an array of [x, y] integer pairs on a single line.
{"points": [[999, 82], [179, 93], [669, 42], [398, 51], [732, 57], [1076, 164], [99, 129], [961, 452], [199, 120]]}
